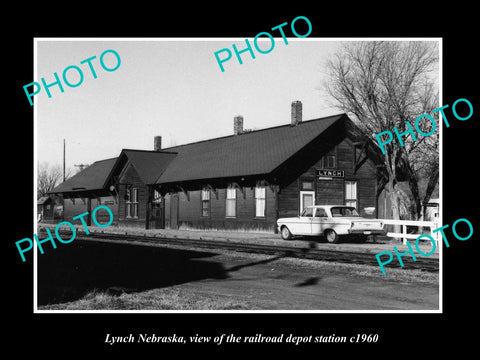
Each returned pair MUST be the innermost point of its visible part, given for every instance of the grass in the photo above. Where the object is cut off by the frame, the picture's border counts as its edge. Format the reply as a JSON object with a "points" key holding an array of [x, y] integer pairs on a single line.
{"points": [[157, 299], [173, 298], [360, 270]]}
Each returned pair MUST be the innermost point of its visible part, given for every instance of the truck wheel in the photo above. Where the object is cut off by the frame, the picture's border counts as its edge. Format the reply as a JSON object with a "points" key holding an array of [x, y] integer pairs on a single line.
{"points": [[332, 236], [286, 234]]}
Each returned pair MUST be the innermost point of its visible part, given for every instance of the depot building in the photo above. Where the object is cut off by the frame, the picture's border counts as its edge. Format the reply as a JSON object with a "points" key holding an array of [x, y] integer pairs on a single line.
{"points": [[242, 182]]}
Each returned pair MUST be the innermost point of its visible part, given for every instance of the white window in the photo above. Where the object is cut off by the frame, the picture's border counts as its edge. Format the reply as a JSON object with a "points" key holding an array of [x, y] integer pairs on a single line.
{"points": [[260, 201], [205, 202], [351, 193], [231, 202], [131, 204]]}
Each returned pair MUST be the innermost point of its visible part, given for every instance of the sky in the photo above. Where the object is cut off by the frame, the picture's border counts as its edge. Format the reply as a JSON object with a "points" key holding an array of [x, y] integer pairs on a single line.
{"points": [[169, 87]]}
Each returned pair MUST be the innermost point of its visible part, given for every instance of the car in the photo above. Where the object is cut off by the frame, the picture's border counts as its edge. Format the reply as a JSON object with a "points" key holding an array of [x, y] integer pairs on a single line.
{"points": [[330, 221]]}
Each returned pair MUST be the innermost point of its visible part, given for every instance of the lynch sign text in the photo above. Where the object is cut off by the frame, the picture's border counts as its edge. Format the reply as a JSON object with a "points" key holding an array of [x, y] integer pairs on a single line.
{"points": [[331, 173]]}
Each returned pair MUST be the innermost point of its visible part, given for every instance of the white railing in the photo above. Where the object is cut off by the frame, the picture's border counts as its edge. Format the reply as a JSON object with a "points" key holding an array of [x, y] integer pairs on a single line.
{"points": [[404, 223]]}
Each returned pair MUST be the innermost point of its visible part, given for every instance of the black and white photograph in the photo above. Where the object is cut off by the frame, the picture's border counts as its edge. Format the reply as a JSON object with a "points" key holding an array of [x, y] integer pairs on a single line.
{"points": [[257, 188], [298, 180]]}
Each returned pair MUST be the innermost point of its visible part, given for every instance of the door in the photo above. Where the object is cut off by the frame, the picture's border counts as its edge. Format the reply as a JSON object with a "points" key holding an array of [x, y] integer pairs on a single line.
{"points": [[174, 212], [307, 198], [157, 217], [304, 224], [319, 221], [156, 211]]}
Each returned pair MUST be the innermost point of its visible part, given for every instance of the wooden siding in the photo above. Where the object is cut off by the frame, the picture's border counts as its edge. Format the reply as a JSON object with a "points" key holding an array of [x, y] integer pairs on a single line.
{"points": [[190, 211], [70, 210], [333, 191]]}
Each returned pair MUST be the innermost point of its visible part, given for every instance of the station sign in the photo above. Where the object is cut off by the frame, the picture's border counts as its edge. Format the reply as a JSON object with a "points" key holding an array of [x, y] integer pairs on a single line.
{"points": [[326, 174]]}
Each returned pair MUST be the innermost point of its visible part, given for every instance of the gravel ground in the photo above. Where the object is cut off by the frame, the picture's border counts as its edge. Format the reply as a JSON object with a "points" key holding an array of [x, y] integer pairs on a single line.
{"points": [[384, 244], [256, 282]]}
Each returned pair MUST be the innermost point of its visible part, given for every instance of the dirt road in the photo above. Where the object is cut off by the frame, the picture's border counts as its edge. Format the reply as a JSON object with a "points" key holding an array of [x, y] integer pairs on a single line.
{"points": [[276, 283]]}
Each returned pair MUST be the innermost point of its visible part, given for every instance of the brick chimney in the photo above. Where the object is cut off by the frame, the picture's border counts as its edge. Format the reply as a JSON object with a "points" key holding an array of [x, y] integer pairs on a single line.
{"points": [[157, 143], [238, 125], [296, 112]]}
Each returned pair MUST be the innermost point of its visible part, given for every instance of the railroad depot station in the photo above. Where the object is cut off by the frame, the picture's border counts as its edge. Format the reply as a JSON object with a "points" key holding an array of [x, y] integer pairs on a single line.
{"points": [[241, 182]]}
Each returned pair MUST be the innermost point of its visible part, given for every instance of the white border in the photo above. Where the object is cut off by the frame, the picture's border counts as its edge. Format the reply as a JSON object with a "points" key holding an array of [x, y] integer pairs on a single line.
{"points": [[35, 181], [35, 255]]}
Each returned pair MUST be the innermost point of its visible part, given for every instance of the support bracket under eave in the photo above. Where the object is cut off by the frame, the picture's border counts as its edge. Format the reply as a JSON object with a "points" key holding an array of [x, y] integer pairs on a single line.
{"points": [[241, 188], [267, 183], [72, 199], [212, 189], [360, 160], [186, 192]]}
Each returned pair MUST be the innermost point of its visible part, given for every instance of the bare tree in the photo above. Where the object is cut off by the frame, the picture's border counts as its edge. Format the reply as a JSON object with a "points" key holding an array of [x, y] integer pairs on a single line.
{"points": [[48, 177], [385, 84]]}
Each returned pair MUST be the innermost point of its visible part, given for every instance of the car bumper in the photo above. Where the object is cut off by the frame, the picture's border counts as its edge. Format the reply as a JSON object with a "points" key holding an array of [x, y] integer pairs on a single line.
{"points": [[367, 232]]}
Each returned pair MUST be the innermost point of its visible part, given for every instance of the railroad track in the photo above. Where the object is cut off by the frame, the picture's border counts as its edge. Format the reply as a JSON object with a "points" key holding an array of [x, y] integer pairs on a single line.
{"points": [[352, 257]]}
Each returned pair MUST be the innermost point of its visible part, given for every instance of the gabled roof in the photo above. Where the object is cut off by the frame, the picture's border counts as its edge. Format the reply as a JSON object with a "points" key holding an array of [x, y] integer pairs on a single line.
{"points": [[148, 164], [92, 178], [249, 154], [253, 153]]}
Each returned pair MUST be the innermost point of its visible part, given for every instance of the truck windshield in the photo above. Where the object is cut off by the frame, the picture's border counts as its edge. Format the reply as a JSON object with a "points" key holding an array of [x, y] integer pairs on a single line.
{"points": [[343, 211]]}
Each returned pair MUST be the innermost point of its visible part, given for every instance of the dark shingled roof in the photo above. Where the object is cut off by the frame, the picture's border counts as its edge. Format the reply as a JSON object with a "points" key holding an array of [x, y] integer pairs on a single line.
{"points": [[92, 178], [148, 164], [253, 153]]}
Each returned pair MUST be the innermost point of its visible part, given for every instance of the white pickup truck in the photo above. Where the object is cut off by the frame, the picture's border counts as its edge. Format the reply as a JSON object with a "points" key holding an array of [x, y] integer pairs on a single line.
{"points": [[331, 221]]}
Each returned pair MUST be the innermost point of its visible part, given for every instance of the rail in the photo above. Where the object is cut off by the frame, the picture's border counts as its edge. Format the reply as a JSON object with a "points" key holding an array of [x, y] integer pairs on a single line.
{"points": [[289, 249], [404, 223]]}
